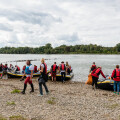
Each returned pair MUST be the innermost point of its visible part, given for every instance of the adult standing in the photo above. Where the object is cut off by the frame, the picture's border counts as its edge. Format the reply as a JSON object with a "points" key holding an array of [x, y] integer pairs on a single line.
{"points": [[54, 68], [29, 74], [116, 77], [42, 79], [63, 70]]}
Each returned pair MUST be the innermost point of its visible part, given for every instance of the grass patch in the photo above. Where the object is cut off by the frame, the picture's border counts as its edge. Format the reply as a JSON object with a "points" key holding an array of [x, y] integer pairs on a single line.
{"points": [[2, 118], [51, 101], [113, 106], [11, 103], [17, 118], [15, 91]]}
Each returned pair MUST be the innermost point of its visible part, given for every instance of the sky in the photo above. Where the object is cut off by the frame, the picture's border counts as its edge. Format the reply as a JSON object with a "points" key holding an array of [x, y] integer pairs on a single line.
{"points": [[34, 23]]}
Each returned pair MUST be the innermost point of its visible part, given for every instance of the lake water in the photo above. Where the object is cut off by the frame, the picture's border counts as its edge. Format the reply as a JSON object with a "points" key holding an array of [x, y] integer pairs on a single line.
{"points": [[80, 63]]}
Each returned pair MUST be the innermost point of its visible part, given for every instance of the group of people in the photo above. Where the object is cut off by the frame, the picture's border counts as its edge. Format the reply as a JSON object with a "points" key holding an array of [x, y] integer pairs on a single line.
{"points": [[41, 80], [62, 68], [96, 71]]}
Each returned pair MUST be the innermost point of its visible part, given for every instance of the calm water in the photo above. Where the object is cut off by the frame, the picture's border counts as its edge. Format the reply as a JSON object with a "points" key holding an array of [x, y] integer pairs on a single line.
{"points": [[80, 63]]}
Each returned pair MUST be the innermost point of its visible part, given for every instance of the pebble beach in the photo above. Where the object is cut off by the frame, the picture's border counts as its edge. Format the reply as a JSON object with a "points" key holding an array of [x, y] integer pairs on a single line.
{"points": [[68, 101]]}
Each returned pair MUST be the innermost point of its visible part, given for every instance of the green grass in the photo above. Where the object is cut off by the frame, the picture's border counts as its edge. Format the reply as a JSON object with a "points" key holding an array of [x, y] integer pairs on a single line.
{"points": [[17, 118], [15, 91], [2, 118], [11, 103], [113, 106], [51, 101]]}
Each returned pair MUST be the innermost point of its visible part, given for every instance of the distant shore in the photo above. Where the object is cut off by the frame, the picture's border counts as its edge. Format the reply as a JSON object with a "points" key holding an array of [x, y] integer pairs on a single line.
{"points": [[69, 101]]}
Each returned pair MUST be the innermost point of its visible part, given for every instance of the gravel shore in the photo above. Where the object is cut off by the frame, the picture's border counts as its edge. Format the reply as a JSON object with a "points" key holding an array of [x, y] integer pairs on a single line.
{"points": [[68, 101]]}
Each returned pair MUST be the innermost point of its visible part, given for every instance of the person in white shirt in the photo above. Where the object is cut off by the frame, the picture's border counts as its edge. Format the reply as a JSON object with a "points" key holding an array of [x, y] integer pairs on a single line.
{"points": [[29, 74]]}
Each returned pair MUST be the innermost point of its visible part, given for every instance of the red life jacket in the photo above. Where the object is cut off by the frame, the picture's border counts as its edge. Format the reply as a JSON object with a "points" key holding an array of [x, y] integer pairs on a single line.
{"points": [[62, 67], [54, 67], [18, 68], [117, 73], [98, 71], [24, 67], [93, 67], [35, 69]]}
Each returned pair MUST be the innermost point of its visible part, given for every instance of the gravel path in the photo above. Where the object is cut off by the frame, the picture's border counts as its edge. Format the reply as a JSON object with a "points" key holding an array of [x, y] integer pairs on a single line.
{"points": [[69, 101]]}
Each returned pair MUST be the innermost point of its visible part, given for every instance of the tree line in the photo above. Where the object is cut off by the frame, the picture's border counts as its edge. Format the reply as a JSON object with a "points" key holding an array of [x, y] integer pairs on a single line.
{"points": [[63, 49]]}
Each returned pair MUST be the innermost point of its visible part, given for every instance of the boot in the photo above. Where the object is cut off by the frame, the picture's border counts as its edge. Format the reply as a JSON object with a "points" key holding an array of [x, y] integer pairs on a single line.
{"points": [[32, 88], [25, 86]]}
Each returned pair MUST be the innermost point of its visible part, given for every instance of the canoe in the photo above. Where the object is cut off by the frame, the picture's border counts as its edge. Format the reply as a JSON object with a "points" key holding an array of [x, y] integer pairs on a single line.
{"points": [[106, 84], [58, 76], [19, 75]]}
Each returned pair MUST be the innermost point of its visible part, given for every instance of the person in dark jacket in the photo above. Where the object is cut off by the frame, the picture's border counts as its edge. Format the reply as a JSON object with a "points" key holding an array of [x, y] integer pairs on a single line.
{"points": [[116, 77], [95, 75], [42, 78]]}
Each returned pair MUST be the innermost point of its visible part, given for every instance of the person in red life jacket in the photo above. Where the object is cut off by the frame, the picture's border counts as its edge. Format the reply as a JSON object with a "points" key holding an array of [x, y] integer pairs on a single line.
{"points": [[1, 67], [42, 78], [95, 75], [24, 67], [5, 68], [53, 71], [116, 77], [29, 74], [93, 67], [35, 69], [63, 71]]}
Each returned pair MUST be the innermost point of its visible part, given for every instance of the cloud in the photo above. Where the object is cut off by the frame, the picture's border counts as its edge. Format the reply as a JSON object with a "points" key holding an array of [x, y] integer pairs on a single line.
{"points": [[34, 23]]}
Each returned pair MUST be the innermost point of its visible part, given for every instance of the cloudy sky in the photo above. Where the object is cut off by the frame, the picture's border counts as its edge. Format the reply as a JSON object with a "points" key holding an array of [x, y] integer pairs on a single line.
{"points": [[37, 22]]}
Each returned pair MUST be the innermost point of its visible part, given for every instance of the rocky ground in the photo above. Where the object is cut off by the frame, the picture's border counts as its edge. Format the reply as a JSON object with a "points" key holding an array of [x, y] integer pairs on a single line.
{"points": [[68, 101]]}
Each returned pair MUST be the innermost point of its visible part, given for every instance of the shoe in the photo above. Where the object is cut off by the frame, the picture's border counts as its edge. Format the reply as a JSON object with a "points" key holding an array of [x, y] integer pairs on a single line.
{"points": [[93, 88], [39, 95], [31, 91], [115, 92], [118, 93], [23, 92], [47, 93]]}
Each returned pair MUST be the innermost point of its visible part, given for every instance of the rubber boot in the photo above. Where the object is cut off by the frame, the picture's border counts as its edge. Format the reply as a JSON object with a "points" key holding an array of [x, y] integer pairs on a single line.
{"points": [[25, 86], [32, 88]]}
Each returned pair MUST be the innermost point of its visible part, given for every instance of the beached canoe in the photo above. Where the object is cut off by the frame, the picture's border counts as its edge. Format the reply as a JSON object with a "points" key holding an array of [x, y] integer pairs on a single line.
{"points": [[106, 84], [58, 76], [19, 75]]}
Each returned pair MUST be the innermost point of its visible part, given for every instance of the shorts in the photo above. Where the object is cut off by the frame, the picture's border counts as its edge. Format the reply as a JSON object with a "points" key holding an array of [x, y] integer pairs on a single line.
{"points": [[53, 74], [27, 80]]}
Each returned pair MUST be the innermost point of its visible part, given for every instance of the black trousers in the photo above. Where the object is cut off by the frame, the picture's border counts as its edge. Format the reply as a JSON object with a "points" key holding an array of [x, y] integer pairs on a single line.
{"points": [[62, 76], [94, 81]]}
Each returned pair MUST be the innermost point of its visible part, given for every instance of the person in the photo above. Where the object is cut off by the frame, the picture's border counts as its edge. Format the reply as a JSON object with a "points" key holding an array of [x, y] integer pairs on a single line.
{"points": [[95, 75], [24, 67], [68, 68], [35, 69], [63, 70], [1, 67], [53, 71], [29, 74], [116, 77], [5, 68], [17, 68], [93, 67], [42, 79]]}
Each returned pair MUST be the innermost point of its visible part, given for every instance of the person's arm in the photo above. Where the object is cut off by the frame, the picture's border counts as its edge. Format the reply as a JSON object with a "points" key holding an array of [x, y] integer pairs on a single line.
{"points": [[113, 73], [102, 74], [41, 69]]}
